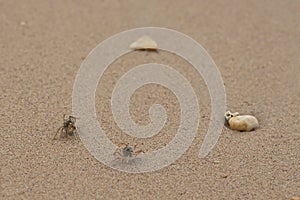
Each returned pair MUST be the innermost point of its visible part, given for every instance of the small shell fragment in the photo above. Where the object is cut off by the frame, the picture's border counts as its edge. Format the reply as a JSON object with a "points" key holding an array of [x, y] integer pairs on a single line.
{"points": [[225, 175], [144, 43], [241, 122]]}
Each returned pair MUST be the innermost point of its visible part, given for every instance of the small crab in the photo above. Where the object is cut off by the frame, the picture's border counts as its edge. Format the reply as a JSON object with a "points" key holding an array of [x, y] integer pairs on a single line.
{"points": [[68, 128], [124, 152], [229, 115]]}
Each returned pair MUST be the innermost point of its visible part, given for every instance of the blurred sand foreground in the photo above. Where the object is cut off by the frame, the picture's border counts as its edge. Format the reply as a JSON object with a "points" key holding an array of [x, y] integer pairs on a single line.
{"points": [[255, 45]]}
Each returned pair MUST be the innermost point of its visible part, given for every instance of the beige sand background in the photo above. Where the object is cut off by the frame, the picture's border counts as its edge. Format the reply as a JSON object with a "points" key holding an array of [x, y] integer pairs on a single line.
{"points": [[256, 46]]}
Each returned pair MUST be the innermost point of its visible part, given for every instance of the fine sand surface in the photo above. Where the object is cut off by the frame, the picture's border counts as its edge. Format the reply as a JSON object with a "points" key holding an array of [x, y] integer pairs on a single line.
{"points": [[256, 46]]}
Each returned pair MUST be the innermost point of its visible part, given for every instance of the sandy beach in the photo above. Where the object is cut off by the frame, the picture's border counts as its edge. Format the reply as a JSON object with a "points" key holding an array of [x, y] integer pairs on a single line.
{"points": [[255, 45]]}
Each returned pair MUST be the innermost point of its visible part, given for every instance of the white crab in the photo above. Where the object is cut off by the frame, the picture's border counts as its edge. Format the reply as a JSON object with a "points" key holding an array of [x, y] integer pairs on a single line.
{"points": [[124, 152]]}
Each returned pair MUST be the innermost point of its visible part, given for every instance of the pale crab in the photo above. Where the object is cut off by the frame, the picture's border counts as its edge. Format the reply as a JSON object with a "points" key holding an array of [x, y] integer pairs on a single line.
{"points": [[125, 153], [67, 129]]}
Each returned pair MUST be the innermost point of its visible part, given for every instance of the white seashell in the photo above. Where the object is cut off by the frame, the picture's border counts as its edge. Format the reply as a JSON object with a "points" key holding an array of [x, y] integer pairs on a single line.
{"points": [[241, 122], [144, 43]]}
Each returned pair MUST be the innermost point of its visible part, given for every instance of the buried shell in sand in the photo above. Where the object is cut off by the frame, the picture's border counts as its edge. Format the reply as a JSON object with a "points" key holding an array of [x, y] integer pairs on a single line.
{"points": [[144, 43], [241, 122]]}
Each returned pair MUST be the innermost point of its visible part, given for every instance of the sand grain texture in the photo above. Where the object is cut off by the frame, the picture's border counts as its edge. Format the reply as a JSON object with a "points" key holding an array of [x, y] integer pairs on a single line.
{"points": [[255, 45]]}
